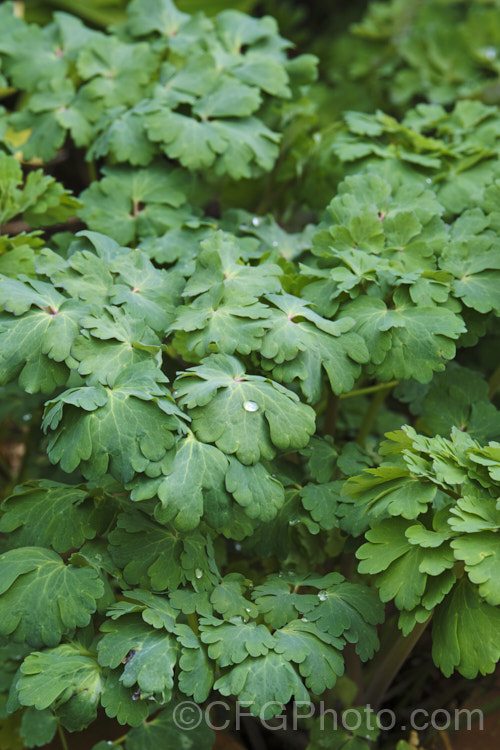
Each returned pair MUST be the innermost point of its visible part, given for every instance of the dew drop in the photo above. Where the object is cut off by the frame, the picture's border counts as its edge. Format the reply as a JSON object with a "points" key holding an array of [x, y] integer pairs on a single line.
{"points": [[198, 573], [250, 406], [490, 53], [323, 596], [428, 180], [275, 244], [26, 417], [304, 619], [255, 221], [237, 547], [293, 522], [247, 609]]}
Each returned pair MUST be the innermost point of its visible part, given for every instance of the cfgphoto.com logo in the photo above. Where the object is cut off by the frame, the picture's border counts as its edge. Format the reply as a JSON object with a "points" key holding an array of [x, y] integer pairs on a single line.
{"points": [[219, 715]]}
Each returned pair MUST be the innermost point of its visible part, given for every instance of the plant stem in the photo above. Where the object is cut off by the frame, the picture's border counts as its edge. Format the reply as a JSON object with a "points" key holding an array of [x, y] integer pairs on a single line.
{"points": [[372, 411], [354, 670], [62, 737], [18, 9], [370, 389], [331, 414], [92, 170], [120, 740], [193, 622], [494, 383], [391, 662]]}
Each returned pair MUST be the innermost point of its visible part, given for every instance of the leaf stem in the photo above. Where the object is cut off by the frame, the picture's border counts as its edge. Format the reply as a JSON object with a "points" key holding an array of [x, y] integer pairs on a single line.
{"points": [[92, 170], [372, 411], [62, 737], [120, 740], [18, 9], [331, 414], [193, 622], [494, 383], [370, 389], [391, 661]]}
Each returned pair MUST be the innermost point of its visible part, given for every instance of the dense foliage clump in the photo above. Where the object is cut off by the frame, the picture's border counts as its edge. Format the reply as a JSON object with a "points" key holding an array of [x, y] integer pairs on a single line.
{"points": [[248, 330]]}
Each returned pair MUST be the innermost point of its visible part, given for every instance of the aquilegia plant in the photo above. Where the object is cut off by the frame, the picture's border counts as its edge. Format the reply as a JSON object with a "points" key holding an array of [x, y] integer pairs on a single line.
{"points": [[256, 432]]}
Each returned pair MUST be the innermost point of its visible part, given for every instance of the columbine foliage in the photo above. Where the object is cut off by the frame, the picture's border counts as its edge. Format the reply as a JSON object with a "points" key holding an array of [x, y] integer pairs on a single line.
{"points": [[204, 385]]}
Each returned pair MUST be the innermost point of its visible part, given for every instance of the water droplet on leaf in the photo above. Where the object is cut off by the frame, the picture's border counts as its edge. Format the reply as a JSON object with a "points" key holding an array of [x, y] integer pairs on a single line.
{"points": [[255, 221], [237, 547], [198, 573], [323, 596], [250, 406]]}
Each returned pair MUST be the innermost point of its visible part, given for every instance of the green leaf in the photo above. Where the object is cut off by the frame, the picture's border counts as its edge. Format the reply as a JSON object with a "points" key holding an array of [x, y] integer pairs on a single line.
{"points": [[350, 610], [38, 727], [122, 429], [36, 345], [264, 684], [322, 457], [48, 514], [155, 15], [358, 730], [231, 642], [321, 501], [118, 701], [481, 555], [474, 261], [194, 487], [228, 600], [162, 729], [279, 604], [317, 654], [58, 675], [197, 674], [149, 654], [247, 415], [460, 397], [151, 555], [146, 292], [69, 599], [426, 333], [219, 262], [381, 492], [41, 199], [112, 341], [154, 610], [255, 489], [300, 343], [129, 203], [116, 72], [211, 324], [464, 633], [401, 564]]}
